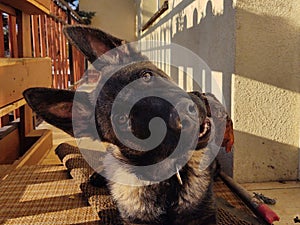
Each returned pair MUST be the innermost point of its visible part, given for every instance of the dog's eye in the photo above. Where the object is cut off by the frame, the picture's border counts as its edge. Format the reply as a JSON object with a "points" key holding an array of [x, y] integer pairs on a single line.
{"points": [[147, 76], [192, 109]]}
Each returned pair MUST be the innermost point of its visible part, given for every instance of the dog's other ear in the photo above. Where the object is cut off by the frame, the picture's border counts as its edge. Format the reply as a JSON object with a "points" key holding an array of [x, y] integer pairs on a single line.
{"points": [[90, 41], [220, 116], [55, 107]]}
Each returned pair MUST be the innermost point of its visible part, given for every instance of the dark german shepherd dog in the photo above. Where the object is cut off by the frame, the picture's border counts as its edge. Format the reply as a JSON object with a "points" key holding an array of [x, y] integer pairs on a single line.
{"points": [[173, 191]]}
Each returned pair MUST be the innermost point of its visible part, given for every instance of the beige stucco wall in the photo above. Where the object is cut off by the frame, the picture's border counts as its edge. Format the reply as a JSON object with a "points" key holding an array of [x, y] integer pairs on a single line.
{"points": [[113, 16], [266, 101]]}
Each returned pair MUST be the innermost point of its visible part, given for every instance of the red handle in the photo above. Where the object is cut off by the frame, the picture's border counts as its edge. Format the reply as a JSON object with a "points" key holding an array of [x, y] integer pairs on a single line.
{"points": [[267, 213]]}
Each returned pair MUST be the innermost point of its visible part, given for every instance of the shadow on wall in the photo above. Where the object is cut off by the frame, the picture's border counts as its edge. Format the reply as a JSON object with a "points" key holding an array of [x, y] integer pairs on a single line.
{"points": [[212, 38], [268, 49], [259, 47]]}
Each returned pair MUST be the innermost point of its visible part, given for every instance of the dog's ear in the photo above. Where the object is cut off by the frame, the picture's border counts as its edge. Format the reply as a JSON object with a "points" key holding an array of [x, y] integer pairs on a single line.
{"points": [[221, 116], [90, 41], [55, 107]]}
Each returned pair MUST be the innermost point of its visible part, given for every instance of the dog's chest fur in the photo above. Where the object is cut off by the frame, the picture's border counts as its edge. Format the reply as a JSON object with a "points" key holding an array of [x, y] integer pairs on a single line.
{"points": [[167, 200]]}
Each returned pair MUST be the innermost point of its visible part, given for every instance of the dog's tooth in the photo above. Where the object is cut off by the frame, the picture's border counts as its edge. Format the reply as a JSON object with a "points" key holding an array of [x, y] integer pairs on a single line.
{"points": [[206, 128]]}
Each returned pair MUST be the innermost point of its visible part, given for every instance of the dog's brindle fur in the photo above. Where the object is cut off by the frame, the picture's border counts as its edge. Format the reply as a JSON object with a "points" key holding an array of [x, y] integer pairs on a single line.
{"points": [[165, 202]]}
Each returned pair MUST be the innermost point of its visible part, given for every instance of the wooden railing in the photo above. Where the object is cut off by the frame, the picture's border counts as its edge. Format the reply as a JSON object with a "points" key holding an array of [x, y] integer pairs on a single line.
{"points": [[68, 64], [33, 52], [44, 31]]}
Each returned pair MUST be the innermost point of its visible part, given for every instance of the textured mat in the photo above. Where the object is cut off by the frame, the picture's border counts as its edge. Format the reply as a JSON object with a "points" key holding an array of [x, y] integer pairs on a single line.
{"points": [[43, 195], [4, 170], [231, 210]]}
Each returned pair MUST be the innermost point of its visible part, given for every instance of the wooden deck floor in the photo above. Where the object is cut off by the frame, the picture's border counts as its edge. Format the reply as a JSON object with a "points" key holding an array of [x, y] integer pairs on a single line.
{"points": [[287, 194]]}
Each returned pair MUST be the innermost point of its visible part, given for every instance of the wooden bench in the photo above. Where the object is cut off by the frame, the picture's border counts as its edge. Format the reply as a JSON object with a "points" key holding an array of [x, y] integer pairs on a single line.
{"points": [[19, 138]]}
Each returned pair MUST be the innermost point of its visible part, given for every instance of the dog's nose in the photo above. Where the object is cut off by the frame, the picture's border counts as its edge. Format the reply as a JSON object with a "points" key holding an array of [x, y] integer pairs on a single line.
{"points": [[183, 115]]}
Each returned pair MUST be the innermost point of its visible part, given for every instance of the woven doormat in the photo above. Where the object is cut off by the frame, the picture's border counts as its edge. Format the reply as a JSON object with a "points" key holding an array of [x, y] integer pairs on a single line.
{"points": [[230, 212], [43, 194]]}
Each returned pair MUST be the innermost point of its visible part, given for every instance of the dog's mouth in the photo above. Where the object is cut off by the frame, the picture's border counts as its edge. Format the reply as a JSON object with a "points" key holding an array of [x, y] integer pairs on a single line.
{"points": [[204, 133]]}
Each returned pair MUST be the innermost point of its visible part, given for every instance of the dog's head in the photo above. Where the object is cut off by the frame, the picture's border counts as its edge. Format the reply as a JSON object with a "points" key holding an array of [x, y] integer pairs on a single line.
{"points": [[135, 105]]}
